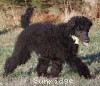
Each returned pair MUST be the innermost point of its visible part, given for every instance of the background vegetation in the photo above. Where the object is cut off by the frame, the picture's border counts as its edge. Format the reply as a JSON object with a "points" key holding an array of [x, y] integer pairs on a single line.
{"points": [[10, 12]]}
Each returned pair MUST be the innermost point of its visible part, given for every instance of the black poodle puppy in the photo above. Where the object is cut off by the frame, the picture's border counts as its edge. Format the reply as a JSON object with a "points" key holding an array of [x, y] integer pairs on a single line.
{"points": [[56, 43]]}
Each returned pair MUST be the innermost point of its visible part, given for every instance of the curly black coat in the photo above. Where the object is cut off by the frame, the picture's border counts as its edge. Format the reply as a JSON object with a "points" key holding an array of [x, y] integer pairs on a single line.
{"points": [[52, 43]]}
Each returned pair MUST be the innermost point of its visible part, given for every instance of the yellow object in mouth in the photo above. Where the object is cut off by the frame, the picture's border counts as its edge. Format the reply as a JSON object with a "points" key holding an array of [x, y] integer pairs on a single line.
{"points": [[76, 39]]}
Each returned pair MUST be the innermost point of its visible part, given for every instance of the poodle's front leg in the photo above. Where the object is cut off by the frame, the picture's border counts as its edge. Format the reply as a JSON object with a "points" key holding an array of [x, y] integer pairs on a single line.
{"points": [[72, 59], [76, 62]]}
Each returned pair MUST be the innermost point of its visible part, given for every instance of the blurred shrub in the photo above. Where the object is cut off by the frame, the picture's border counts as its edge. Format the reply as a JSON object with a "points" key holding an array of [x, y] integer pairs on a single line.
{"points": [[37, 4], [12, 1]]}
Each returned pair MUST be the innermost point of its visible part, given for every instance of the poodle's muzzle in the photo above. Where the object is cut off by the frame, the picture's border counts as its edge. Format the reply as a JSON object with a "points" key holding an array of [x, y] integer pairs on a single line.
{"points": [[83, 37]]}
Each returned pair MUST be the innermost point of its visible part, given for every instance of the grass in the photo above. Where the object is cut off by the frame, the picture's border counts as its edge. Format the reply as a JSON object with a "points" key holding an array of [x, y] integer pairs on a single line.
{"points": [[24, 75]]}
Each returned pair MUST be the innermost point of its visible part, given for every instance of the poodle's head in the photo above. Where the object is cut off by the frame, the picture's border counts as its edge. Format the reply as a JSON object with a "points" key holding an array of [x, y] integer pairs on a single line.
{"points": [[81, 26]]}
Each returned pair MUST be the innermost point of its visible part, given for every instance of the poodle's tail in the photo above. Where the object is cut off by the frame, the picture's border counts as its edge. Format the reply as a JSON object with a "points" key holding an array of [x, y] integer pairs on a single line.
{"points": [[25, 19]]}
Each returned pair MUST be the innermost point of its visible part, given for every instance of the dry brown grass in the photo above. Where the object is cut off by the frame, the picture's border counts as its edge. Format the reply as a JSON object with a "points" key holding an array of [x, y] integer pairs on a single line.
{"points": [[45, 17], [10, 16]]}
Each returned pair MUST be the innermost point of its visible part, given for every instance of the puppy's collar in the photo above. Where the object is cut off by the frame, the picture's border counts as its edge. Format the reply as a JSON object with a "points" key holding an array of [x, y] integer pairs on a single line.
{"points": [[76, 39]]}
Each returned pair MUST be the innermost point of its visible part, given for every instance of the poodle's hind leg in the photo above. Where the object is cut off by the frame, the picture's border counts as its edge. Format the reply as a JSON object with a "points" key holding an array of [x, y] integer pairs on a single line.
{"points": [[42, 67], [56, 68], [18, 57]]}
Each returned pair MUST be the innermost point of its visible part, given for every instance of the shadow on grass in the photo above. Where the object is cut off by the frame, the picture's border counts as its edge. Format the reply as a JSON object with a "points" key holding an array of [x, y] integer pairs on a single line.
{"points": [[89, 59], [8, 30]]}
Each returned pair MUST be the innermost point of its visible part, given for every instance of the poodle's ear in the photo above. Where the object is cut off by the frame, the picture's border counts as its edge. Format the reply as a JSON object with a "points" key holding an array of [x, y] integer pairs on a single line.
{"points": [[71, 25]]}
